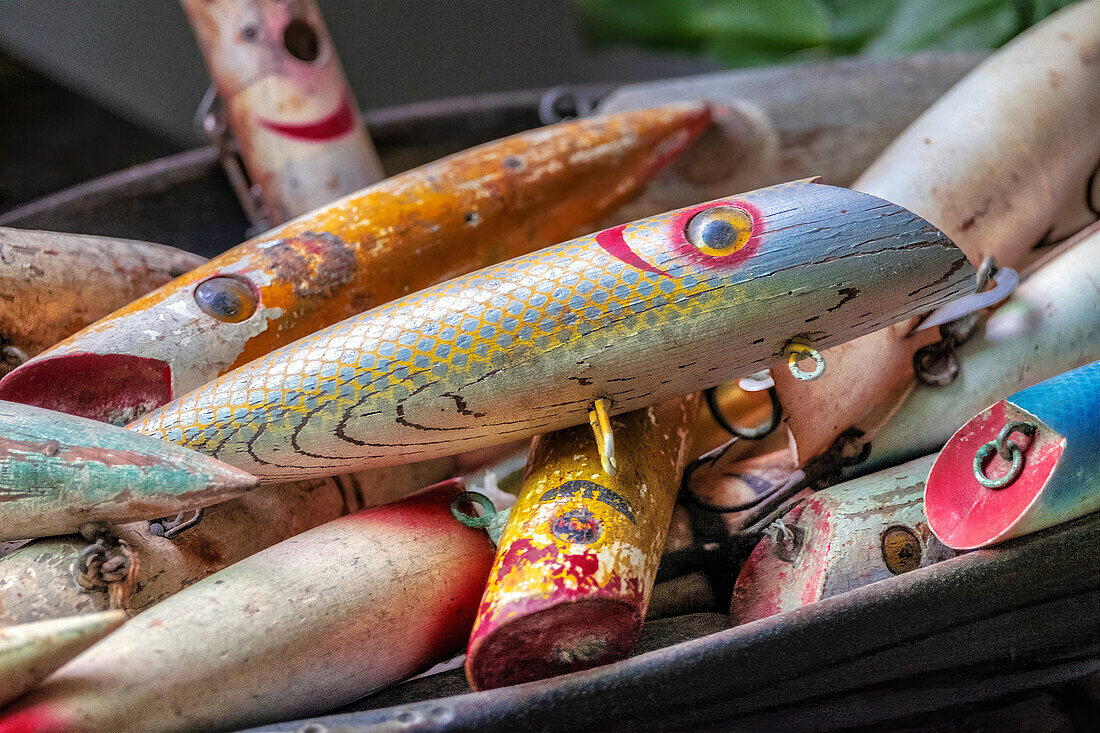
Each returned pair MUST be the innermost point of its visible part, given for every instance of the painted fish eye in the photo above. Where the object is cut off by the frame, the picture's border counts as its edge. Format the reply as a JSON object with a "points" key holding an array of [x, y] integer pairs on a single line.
{"points": [[719, 230], [228, 299]]}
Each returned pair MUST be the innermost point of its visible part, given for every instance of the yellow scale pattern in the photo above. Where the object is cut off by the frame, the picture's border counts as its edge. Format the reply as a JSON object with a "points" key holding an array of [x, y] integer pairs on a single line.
{"points": [[523, 347]]}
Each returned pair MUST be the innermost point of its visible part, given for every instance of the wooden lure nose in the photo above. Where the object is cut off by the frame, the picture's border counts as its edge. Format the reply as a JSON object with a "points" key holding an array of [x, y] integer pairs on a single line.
{"points": [[396, 237], [839, 539], [29, 653], [58, 472], [300, 628], [1052, 430], [636, 314], [55, 284], [576, 564]]}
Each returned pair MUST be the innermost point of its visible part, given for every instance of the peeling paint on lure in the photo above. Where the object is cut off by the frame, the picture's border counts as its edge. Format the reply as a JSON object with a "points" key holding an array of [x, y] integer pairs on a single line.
{"points": [[37, 580], [999, 177], [576, 563], [54, 284], [310, 624], [1049, 326], [635, 314], [58, 472], [450, 217], [839, 539], [31, 652], [1029, 462], [292, 114]]}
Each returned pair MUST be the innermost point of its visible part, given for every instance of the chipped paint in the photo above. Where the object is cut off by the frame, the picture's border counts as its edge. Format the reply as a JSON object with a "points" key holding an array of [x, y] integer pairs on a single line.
{"points": [[527, 345], [60, 471], [291, 111], [370, 247], [53, 284], [310, 624], [1060, 477], [576, 564], [839, 539]]}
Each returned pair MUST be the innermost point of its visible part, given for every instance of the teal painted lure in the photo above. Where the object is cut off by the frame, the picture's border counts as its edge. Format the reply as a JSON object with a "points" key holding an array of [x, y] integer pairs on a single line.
{"points": [[1049, 472], [58, 472], [635, 314]]}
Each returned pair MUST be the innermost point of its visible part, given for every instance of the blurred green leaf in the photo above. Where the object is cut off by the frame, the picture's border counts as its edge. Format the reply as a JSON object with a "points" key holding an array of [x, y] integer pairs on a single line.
{"points": [[947, 24]]}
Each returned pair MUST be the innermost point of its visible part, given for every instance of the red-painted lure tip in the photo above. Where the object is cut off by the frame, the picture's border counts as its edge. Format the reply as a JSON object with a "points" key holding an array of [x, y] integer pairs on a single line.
{"points": [[114, 388]]}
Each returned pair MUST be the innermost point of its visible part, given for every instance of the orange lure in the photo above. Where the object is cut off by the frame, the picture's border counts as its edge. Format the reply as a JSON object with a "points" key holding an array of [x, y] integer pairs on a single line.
{"points": [[444, 219]]}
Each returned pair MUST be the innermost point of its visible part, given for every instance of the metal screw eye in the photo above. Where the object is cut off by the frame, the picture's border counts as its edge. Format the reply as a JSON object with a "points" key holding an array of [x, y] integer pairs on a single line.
{"points": [[796, 351], [473, 520], [1008, 450]]}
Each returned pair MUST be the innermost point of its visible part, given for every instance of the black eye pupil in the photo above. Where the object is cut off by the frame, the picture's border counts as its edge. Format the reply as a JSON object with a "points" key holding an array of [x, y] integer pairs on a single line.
{"points": [[225, 304], [719, 234]]}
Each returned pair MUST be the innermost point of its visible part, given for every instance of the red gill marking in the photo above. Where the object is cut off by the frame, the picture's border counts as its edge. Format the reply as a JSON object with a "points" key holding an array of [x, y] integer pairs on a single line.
{"points": [[615, 245]]}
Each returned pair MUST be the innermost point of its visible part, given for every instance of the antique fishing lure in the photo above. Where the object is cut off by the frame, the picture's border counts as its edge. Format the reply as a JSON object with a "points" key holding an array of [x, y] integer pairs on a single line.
{"points": [[58, 472], [29, 653], [54, 284], [472, 209], [1047, 327], [576, 564], [292, 115], [839, 539], [1029, 462], [310, 624], [635, 314], [134, 568], [999, 178]]}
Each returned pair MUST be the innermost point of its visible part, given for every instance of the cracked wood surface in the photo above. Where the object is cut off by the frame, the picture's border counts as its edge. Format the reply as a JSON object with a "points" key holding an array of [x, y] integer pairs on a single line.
{"points": [[636, 314], [1004, 163]]}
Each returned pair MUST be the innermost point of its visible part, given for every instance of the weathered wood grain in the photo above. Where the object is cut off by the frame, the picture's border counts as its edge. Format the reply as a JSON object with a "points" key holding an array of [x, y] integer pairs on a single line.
{"points": [[31, 652], [575, 566], [788, 122], [53, 284], [975, 627], [309, 624], [37, 580], [1005, 162], [59, 472], [422, 227], [291, 111], [635, 314], [839, 539], [1047, 327]]}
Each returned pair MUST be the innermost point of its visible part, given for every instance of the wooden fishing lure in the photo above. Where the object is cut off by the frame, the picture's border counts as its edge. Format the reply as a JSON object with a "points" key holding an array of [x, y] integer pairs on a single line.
{"points": [[300, 628], [635, 315], [31, 652], [839, 539], [44, 579], [58, 472], [292, 114], [54, 284], [999, 177], [444, 219], [576, 564], [1029, 462], [1049, 326]]}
